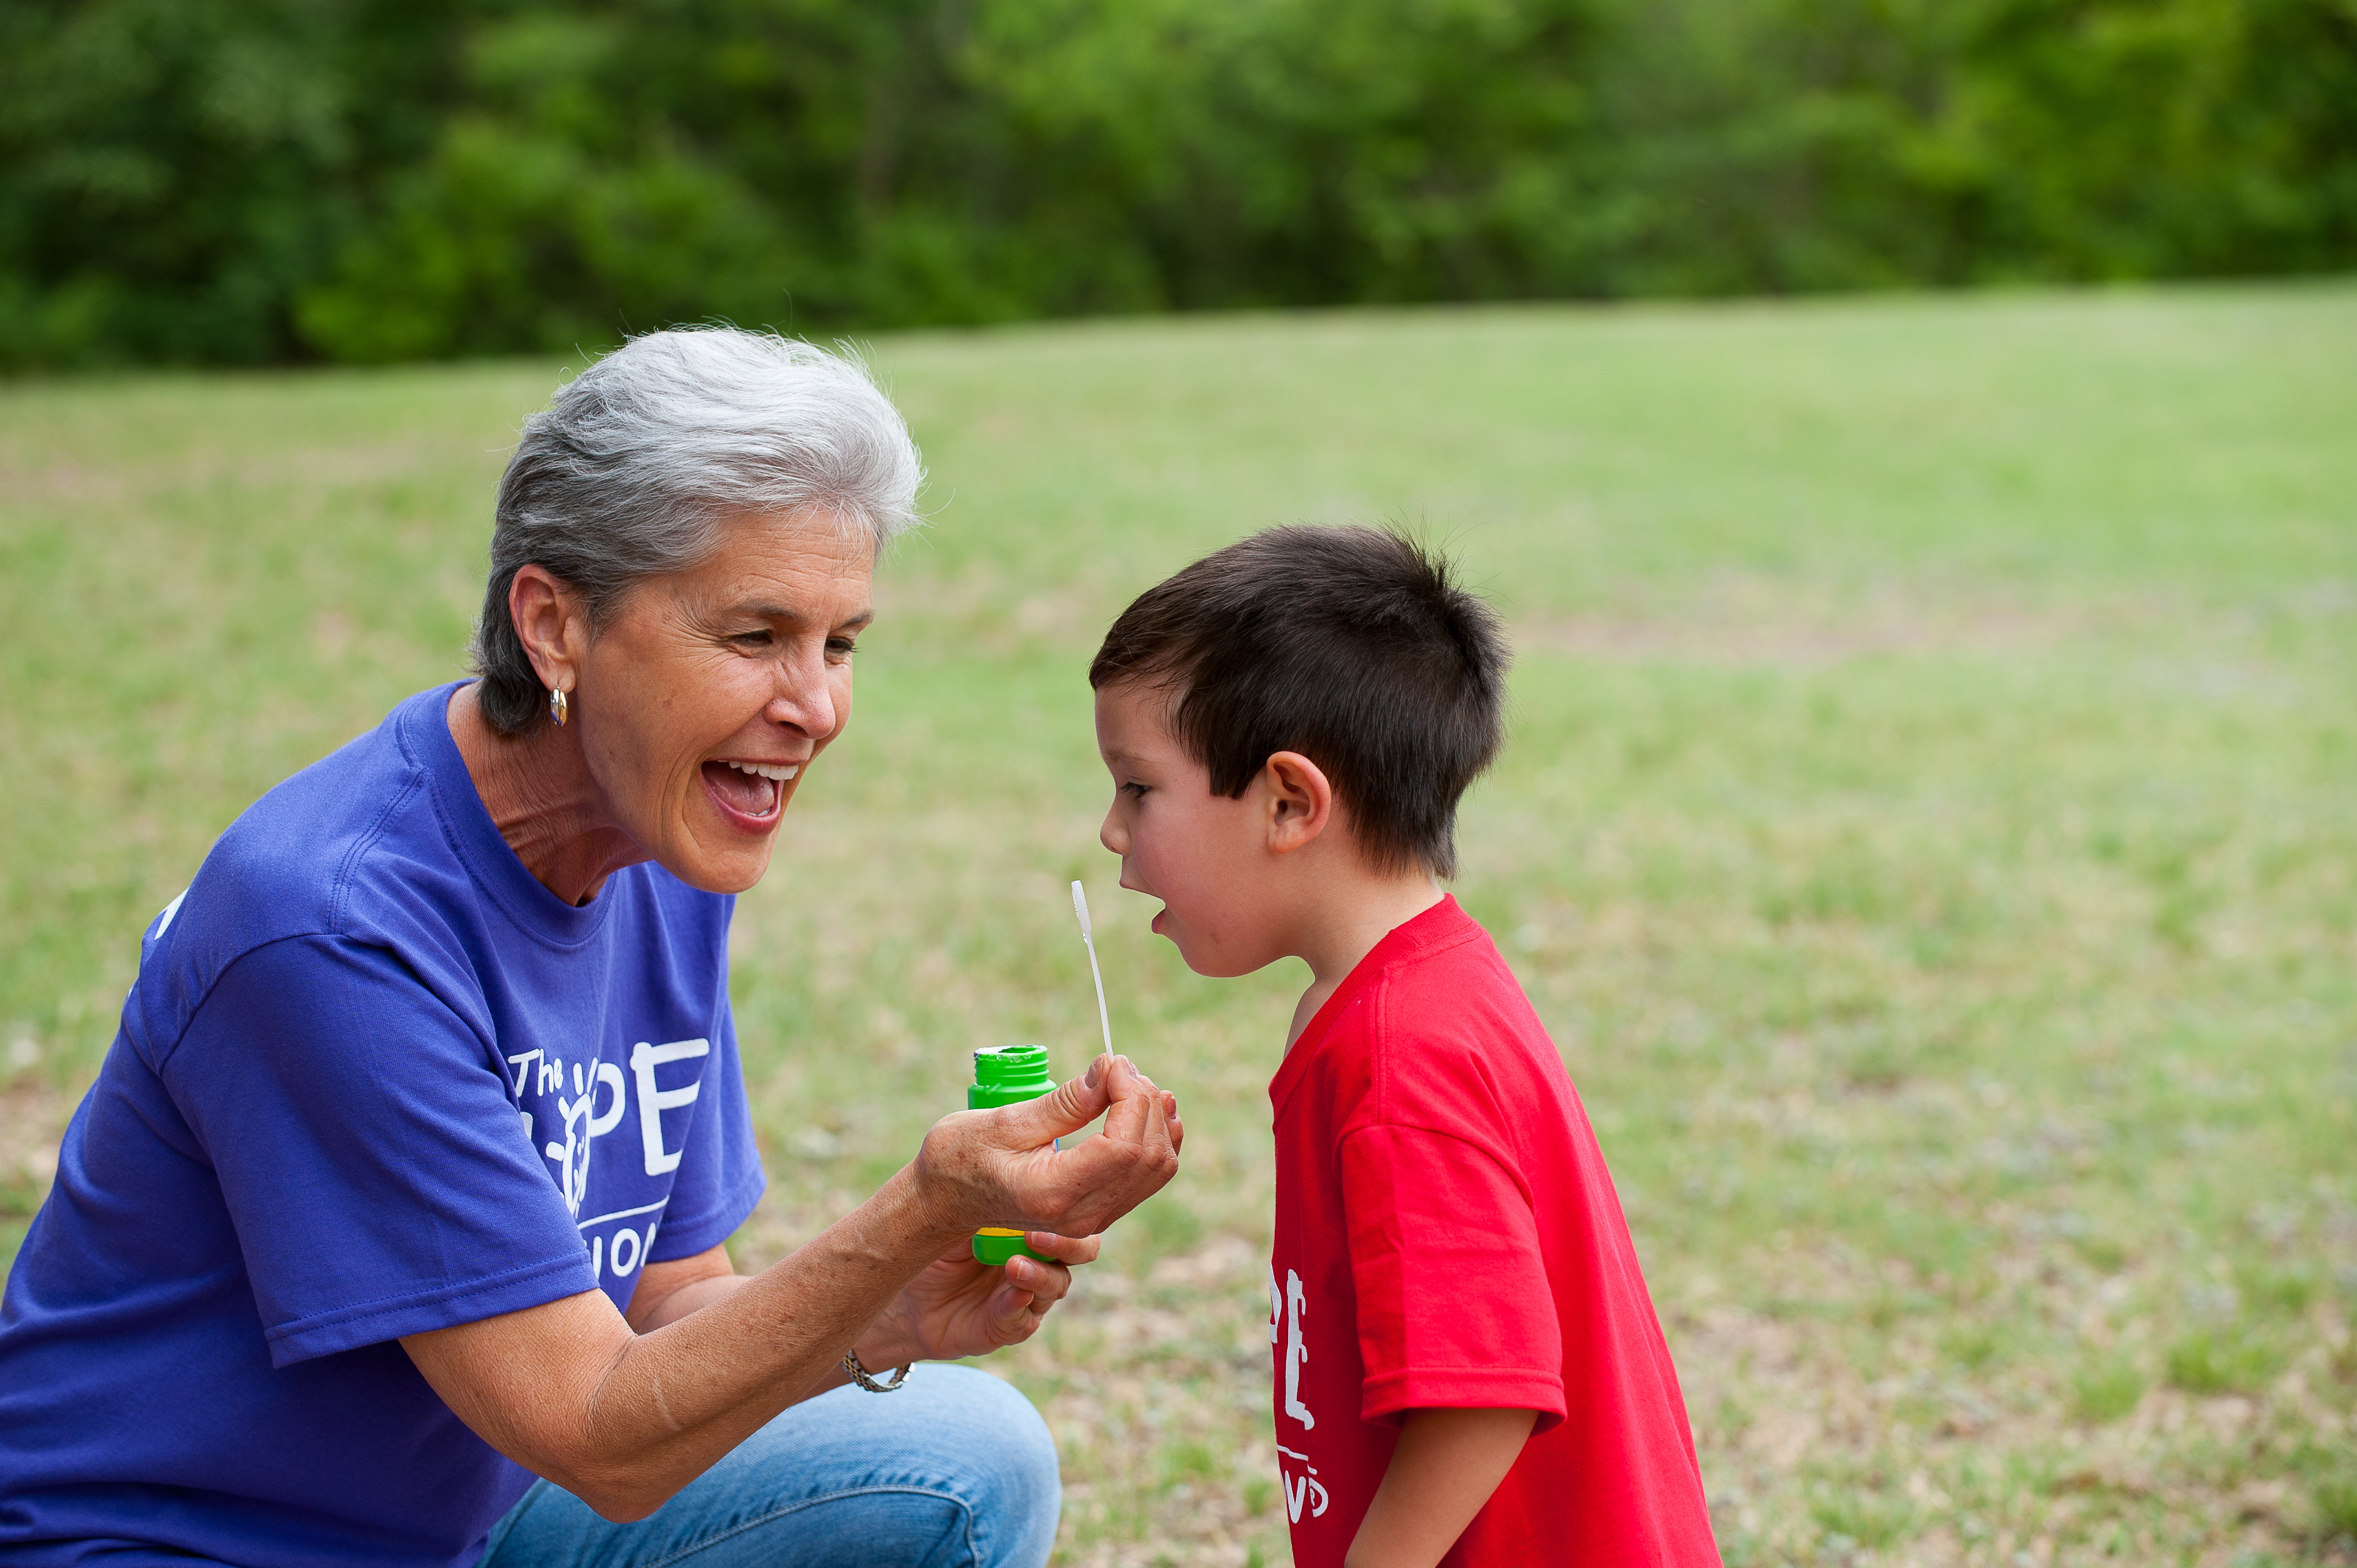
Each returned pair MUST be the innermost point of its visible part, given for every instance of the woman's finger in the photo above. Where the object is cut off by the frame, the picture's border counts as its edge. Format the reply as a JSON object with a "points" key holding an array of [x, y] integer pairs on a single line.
{"points": [[1106, 1177], [1163, 1097], [1075, 1103], [1162, 1106], [1130, 1120], [1044, 1283], [1065, 1248], [1018, 1314], [1137, 1103], [1011, 1318]]}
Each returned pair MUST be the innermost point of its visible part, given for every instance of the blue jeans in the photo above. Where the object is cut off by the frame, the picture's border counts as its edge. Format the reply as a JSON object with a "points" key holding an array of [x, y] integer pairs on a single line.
{"points": [[954, 1470]]}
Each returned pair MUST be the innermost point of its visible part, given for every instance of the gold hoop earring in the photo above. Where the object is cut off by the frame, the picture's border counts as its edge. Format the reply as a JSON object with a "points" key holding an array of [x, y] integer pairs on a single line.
{"points": [[557, 705]]}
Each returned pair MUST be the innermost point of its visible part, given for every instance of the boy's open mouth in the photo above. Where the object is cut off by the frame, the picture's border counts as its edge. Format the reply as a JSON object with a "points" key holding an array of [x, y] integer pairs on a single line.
{"points": [[751, 790]]}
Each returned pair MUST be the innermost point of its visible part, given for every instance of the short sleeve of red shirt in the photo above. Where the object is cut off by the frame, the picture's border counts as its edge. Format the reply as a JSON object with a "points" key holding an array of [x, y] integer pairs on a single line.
{"points": [[1454, 1304]]}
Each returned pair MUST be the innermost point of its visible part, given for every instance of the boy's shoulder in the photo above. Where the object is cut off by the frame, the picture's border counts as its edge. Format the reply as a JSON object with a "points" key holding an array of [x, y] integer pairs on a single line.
{"points": [[1435, 1031]]}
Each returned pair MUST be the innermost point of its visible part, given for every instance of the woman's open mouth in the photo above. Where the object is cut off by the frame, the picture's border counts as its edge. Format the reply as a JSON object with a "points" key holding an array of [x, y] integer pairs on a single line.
{"points": [[748, 793]]}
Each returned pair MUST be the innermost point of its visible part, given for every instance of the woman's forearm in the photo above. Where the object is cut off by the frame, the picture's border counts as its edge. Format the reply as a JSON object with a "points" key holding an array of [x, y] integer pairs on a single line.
{"points": [[624, 1420], [679, 1397]]}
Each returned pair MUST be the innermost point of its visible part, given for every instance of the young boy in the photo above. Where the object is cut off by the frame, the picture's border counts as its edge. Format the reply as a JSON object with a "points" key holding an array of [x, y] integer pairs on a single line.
{"points": [[1468, 1367]]}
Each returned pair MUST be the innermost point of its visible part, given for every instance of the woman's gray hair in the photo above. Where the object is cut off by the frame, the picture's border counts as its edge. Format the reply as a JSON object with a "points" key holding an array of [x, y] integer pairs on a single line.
{"points": [[629, 471]]}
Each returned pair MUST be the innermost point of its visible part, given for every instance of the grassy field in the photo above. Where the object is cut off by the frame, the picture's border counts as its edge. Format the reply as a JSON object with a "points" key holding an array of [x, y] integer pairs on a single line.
{"points": [[1929, 830]]}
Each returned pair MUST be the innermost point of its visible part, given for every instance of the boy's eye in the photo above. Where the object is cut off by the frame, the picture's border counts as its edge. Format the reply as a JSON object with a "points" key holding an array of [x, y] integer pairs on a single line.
{"points": [[1133, 789]]}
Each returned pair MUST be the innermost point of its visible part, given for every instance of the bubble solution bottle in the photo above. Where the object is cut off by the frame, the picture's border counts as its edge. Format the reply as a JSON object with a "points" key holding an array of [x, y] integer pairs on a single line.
{"points": [[1007, 1076]]}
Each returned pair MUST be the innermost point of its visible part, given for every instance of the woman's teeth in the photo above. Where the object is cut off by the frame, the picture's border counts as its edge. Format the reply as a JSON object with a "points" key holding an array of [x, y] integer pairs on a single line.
{"points": [[777, 770]]}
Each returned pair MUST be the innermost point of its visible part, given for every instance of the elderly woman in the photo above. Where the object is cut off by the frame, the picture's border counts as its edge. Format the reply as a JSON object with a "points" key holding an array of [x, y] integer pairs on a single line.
{"points": [[406, 1179]]}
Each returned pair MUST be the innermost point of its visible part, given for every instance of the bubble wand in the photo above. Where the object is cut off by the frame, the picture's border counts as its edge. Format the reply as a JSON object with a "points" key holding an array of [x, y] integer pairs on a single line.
{"points": [[1081, 908], [1014, 1073]]}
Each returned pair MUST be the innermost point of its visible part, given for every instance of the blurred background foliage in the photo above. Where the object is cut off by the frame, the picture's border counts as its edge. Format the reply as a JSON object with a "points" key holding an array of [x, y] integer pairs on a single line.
{"points": [[267, 180]]}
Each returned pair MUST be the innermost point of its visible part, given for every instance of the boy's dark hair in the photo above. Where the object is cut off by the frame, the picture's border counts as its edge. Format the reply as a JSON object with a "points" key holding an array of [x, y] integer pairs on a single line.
{"points": [[1352, 645]]}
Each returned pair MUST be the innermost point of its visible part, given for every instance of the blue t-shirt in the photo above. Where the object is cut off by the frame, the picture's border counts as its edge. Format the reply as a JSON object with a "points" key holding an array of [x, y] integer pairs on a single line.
{"points": [[374, 1079]]}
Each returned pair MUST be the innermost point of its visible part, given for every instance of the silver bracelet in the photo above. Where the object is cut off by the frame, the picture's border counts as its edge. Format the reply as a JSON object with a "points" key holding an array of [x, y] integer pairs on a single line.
{"points": [[861, 1376]]}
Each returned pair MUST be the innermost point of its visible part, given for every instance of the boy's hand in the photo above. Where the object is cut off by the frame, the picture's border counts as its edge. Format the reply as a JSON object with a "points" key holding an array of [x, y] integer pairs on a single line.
{"points": [[1446, 1465], [999, 1167]]}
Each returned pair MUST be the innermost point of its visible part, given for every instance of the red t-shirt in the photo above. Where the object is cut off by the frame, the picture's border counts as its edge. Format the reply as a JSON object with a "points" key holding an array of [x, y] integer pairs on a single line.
{"points": [[1446, 1235]]}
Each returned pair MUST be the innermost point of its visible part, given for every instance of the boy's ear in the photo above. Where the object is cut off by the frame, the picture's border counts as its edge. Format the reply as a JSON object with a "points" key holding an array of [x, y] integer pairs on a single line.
{"points": [[1300, 801]]}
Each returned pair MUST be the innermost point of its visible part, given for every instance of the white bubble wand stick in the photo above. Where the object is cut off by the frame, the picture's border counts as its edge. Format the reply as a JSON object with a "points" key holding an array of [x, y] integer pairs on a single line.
{"points": [[1081, 908]]}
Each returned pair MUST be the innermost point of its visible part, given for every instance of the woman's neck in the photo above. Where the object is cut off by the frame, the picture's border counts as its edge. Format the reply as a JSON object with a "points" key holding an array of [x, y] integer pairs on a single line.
{"points": [[542, 797]]}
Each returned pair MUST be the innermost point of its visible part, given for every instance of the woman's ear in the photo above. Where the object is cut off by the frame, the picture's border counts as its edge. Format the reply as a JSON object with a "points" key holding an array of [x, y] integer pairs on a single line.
{"points": [[1300, 801], [551, 623]]}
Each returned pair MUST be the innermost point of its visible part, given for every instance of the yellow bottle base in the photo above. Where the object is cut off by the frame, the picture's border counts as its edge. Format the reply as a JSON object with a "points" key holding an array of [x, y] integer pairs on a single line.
{"points": [[995, 1246]]}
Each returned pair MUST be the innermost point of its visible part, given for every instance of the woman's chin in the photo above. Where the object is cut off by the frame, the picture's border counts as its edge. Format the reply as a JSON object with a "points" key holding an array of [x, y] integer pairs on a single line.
{"points": [[733, 870], [720, 847], [719, 855]]}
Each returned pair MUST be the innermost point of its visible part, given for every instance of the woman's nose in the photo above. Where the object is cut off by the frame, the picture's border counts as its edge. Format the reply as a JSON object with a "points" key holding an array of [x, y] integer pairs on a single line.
{"points": [[804, 700]]}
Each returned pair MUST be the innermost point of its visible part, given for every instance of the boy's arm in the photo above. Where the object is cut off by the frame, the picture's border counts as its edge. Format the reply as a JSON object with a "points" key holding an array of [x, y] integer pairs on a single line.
{"points": [[1446, 1465]]}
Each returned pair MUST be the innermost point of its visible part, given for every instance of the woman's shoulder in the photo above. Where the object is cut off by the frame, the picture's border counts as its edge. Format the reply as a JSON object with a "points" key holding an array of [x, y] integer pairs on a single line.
{"points": [[287, 856], [384, 844], [291, 863]]}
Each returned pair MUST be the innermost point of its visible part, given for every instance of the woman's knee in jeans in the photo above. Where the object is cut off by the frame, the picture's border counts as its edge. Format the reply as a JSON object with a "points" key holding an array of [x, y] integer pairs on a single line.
{"points": [[1010, 1462]]}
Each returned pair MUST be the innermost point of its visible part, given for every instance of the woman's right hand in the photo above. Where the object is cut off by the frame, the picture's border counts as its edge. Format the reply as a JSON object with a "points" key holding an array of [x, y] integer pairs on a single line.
{"points": [[1001, 1167]]}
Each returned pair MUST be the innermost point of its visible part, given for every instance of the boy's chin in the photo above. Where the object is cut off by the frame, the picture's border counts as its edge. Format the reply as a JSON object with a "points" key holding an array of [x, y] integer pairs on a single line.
{"points": [[1216, 966]]}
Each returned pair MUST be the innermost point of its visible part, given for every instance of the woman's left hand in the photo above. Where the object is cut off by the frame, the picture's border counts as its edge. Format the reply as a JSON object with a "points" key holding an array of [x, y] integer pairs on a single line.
{"points": [[961, 1307]]}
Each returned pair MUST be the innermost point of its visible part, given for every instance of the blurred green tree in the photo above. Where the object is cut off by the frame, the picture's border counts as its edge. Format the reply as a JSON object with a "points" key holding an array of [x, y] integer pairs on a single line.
{"points": [[202, 181], [172, 172]]}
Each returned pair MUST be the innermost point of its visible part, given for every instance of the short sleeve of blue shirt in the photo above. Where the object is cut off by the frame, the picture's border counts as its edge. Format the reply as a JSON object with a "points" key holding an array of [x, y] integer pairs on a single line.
{"points": [[378, 1179], [374, 1079]]}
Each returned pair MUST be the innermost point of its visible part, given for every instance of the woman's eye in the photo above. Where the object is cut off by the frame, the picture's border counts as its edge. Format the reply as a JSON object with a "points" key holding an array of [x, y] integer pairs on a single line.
{"points": [[752, 638], [840, 647]]}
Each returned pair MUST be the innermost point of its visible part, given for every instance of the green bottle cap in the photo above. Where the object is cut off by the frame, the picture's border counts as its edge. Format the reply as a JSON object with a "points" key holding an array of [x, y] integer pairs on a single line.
{"points": [[1007, 1075]]}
